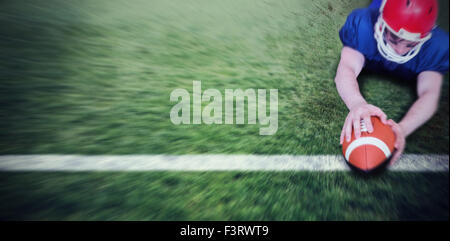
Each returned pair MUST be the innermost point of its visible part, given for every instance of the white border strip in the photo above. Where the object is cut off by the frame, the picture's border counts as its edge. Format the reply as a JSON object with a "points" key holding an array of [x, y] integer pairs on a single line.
{"points": [[409, 162]]}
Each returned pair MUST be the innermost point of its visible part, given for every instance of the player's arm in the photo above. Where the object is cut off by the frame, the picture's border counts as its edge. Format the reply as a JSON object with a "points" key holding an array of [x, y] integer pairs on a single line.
{"points": [[428, 91], [350, 66]]}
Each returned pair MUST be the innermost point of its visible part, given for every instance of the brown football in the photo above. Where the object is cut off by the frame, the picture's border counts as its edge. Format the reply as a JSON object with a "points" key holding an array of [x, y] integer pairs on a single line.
{"points": [[371, 149]]}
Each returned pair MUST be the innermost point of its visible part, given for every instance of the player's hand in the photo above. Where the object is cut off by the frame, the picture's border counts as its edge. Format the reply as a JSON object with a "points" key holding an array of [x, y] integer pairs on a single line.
{"points": [[400, 140], [360, 112]]}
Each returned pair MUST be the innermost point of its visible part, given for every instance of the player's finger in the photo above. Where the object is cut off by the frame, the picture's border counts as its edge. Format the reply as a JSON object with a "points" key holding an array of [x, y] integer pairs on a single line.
{"points": [[391, 123], [357, 127], [397, 155], [368, 123], [398, 143], [378, 112], [343, 130], [348, 130], [383, 118], [394, 158]]}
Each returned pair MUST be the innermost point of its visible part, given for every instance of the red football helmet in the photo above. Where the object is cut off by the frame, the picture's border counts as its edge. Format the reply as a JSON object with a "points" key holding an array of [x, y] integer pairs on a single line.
{"points": [[411, 20]]}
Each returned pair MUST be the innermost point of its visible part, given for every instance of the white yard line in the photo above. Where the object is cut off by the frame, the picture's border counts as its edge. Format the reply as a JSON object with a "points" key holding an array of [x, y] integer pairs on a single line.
{"points": [[408, 162]]}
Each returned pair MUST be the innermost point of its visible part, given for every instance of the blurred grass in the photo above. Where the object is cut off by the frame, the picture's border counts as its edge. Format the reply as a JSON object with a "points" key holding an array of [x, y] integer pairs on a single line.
{"points": [[94, 77], [223, 196]]}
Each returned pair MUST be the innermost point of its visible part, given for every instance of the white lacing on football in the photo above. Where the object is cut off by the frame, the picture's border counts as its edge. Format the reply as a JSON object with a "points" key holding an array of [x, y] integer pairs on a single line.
{"points": [[367, 141], [363, 126]]}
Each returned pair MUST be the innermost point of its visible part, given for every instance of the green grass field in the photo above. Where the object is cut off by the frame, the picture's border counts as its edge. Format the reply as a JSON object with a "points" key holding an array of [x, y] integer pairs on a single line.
{"points": [[223, 196], [94, 77]]}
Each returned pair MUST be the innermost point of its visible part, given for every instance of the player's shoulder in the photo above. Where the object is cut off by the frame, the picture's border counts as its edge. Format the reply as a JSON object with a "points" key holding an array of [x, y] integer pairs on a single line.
{"points": [[434, 54], [361, 22], [357, 31], [438, 45], [362, 17], [439, 39]]}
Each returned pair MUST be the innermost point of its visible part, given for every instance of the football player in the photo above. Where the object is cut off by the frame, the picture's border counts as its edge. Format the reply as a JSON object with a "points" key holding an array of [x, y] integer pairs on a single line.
{"points": [[397, 37]]}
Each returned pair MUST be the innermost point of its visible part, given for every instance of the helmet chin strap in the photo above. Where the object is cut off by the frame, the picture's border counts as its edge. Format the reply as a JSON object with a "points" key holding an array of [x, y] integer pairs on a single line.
{"points": [[387, 51]]}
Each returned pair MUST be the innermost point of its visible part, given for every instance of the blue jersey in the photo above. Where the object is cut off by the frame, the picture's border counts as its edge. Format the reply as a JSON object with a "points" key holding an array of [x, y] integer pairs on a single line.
{"points": [[358, 33]]}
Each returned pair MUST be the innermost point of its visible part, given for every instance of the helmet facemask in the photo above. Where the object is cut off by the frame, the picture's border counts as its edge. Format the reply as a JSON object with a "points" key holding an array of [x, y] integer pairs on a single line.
{"points": [[387, 51]]}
